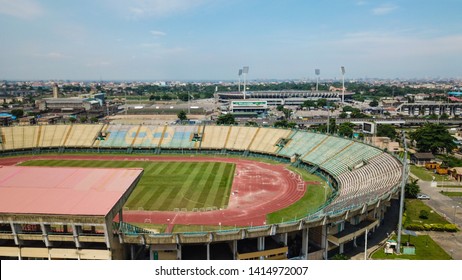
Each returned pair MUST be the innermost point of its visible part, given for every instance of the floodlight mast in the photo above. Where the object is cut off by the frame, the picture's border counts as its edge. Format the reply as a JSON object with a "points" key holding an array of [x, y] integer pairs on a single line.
{"points": [[239, 74], [317, 72], [343, 83], [401, 202], [245, 71]]}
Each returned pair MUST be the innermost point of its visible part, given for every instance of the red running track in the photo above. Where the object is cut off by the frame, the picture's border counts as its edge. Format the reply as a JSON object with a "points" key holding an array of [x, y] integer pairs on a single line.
{"points": [[258, 189]]}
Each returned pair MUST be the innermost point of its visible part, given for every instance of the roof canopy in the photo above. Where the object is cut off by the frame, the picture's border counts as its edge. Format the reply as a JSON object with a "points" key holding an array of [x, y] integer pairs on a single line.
{"points": [[63, 190]]}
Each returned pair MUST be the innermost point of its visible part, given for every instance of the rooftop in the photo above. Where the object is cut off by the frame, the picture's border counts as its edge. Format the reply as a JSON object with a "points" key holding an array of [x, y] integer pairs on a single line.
{"points": [[63, 190]]}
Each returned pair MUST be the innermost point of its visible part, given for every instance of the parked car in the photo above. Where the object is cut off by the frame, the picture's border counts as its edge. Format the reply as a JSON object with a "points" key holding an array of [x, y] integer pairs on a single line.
{"points": [[422, 196]]}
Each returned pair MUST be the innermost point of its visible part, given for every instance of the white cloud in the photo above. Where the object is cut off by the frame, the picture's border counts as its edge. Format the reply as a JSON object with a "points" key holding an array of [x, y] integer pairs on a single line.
{"points": [[23, 9], [384, 9], [361, 3], [139, 9], [157, 33], [55, 55]]}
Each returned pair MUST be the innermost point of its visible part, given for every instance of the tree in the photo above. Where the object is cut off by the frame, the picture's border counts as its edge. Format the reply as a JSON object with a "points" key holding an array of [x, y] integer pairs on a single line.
{"points": [[374, 103], [83, 119], [346, 129], [433, 138], [182, 115], [411, 189], [281, 123], [94, 120], [72, 119], [343, 115], [309, 103], [18, 113], [279, 107], [386, 130], [287, 113], [322, 102], [226, 119], [444, 116]]}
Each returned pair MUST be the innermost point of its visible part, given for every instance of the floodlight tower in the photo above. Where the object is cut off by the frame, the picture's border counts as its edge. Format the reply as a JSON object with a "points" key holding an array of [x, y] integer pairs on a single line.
{"points": [[245, 71], [404, 176], [239, 74], [343, 83], [317, 72]]}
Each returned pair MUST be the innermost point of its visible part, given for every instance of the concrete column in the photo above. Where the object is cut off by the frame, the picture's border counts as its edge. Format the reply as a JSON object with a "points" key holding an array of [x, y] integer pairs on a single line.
{"points": [[121, 218], [234, 249], [261, 245], [341, 248], [354, 242], [208, 251], [325, 242], [365, 245], [132, 252], [75, 233], [16, 230], [284, 238], [178, 252], [106, 235], [305, 242], [151, 253], [45, 235]]}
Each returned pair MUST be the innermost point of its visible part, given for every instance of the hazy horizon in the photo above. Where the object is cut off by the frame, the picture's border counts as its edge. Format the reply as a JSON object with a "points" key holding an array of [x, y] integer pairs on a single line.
{"points": [[210, 40]]}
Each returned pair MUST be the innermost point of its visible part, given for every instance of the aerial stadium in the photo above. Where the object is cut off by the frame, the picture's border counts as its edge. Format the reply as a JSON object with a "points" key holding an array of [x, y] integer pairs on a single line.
{"points": [[118, 191]]}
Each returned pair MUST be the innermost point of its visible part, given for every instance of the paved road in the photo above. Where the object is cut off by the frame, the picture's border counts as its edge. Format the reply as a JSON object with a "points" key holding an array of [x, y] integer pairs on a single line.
{"points": [[444, 205], [451, 209], [447, 207]]}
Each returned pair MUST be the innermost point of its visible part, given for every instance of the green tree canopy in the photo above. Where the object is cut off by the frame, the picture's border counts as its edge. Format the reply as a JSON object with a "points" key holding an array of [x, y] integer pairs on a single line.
{"points": [[374, 103], [321, 102], [411, 189], [346, 129], [226, 119], [182, 116], [433, 138], [309, 103], [18, 113], [386, 130]]}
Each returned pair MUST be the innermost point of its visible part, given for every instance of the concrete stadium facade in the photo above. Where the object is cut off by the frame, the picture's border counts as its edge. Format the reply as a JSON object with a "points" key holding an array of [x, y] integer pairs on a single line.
{"points": [[363, 178]]}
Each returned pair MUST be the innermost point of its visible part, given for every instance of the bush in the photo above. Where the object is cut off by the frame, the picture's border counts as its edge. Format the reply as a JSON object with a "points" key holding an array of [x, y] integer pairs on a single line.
{"points": [[423, 214], [340, 257], [433, 227]]}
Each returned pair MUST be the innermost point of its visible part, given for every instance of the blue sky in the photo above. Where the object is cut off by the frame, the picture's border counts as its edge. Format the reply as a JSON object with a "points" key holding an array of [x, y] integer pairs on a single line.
{"points": [[212, 39]]}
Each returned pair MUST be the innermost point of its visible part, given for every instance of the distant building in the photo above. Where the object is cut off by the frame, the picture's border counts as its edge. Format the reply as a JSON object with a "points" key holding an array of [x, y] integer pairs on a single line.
{"points": [[68, 105], [55, 90], [385, 143], [283, 97], [249, 108], [422, 158]]}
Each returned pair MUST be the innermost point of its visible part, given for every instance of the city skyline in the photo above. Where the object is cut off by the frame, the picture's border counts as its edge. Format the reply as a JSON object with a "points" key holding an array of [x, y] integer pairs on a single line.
{"points": [[212, 40]]}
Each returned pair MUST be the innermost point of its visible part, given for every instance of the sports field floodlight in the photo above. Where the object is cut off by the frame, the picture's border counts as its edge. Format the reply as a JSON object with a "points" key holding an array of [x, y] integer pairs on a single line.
{"points": [[239, 74], [404, 177], [343, 83], [317, 72], [245, 71]]}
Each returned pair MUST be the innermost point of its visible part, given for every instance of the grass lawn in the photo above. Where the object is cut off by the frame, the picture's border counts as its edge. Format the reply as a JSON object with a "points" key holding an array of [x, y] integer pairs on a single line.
{"points": [[169, 185], [412, 212], [425, 249], [426, 175], [314, 197], [452, 194]]}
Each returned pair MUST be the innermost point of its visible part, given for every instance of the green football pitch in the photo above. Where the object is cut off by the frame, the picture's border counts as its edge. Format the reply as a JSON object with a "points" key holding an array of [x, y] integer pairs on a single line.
{"points": [[166, 186]]}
